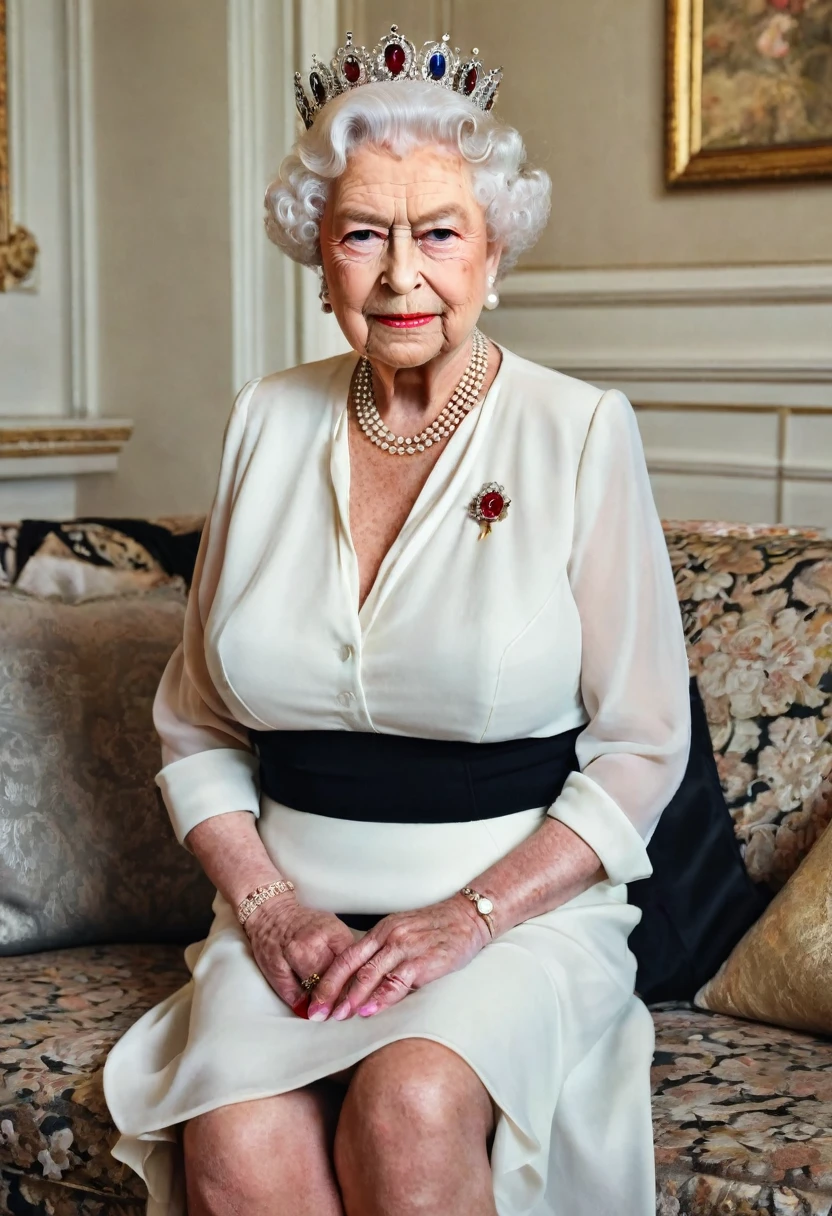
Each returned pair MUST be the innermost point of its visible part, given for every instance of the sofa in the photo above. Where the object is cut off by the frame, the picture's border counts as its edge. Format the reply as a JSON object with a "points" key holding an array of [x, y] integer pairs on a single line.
{"points": [[89, 939]]}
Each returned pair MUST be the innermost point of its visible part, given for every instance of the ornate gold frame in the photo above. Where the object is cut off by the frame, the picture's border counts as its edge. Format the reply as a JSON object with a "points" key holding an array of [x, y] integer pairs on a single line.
{"points": [[18, 248], [686, 163]]}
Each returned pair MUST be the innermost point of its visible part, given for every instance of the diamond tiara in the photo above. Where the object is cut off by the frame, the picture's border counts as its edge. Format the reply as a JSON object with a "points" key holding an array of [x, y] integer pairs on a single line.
{"points": [[396, 58]]}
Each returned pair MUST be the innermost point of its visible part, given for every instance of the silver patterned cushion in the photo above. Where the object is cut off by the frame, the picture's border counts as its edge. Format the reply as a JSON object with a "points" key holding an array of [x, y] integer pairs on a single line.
{"points": [[87, 853]]}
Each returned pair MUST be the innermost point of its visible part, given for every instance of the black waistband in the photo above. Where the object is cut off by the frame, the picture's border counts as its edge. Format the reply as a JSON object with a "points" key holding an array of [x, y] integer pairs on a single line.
{"points": [[399, 779], [361, 920]]}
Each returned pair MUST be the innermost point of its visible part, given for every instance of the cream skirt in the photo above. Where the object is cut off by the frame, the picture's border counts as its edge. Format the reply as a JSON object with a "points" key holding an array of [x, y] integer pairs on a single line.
{"points": [[545, 1015]]}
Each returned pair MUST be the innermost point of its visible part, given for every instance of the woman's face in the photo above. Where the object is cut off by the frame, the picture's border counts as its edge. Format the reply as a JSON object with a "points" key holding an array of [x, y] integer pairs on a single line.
{"points": [[405, 254]]}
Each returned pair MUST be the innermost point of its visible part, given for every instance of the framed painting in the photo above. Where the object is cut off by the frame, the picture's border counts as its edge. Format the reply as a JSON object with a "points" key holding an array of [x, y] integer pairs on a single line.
{"points": [[18, 249], [749, 90]]}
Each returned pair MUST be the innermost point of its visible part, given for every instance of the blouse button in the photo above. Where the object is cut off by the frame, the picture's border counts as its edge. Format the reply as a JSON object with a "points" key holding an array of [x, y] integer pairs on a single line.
{"points": [[345, 698], [346, 653]]}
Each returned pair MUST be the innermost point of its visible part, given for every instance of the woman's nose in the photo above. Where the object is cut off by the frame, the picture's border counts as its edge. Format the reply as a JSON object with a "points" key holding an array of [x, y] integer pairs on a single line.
{"points": [[401, 274]]}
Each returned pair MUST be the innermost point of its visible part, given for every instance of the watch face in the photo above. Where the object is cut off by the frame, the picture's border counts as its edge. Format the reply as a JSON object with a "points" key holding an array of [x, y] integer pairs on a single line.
{"points": [[484, 905]]}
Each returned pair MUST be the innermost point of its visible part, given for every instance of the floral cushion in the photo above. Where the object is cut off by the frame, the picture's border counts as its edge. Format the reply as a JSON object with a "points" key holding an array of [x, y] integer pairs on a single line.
{"points": [[60, 1013], [21, 1195], [757, 613], [742, 1116], [719, 527]]}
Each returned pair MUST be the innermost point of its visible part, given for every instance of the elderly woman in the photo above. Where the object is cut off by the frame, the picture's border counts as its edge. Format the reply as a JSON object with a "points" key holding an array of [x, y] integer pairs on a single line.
{"points": [[430, 702]]}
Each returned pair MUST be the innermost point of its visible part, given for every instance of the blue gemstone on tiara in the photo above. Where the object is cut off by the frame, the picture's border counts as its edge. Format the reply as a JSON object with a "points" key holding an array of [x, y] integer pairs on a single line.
{"points": [[437, 65]]}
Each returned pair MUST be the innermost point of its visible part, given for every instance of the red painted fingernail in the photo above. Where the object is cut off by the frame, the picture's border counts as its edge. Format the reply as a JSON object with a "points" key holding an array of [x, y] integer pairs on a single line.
{"points": [[301, 1007]]}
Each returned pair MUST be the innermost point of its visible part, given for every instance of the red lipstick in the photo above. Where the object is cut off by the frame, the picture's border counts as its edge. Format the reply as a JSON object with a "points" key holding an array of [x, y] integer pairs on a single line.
{"points": [[404, 320]]}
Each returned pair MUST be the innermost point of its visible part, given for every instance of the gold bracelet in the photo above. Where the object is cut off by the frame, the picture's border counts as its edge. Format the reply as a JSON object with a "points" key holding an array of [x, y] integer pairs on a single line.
{"points": [[259, 896]]}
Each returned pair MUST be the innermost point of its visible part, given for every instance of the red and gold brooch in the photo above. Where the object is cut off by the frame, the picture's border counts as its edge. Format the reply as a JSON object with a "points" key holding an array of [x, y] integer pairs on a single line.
{"points": [[489, 507]]}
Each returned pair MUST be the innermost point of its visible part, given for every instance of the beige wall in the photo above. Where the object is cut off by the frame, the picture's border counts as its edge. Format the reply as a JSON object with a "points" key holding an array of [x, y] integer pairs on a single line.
{"points": [[161, 106], [584, 85]]}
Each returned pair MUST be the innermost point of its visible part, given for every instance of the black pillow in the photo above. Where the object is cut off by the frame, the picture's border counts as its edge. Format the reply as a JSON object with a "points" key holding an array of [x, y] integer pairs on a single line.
{"points": [[699, 900]]}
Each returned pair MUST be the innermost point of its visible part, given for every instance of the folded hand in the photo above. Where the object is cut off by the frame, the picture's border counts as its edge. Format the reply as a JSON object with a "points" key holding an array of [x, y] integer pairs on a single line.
{"points": [[402, 952], [290, 941]]}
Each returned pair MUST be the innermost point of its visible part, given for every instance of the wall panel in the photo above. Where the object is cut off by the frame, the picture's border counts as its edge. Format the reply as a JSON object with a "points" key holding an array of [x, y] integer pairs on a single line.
{"points": [[584, 86], [161, 90]]}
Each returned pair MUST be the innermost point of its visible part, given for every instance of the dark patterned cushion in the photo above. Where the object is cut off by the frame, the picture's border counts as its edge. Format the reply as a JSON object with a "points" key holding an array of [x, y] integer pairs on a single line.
{"points": [[758, 620], [742, 1117], [60, 1013], [77, 557], [699, 900]]}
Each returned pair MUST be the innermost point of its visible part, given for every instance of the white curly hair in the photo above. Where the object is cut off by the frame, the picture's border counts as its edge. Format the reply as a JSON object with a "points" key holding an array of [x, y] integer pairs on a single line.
{"points": [[516, 198]]}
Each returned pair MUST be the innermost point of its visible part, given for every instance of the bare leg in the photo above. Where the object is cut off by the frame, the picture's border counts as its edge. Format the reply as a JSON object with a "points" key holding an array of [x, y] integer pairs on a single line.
{"points": [[266, 1157], [414, 1135]]}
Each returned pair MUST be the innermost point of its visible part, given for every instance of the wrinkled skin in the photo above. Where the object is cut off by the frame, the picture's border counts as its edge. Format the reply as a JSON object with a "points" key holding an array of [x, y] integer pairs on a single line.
{"points": [[403, 952]]}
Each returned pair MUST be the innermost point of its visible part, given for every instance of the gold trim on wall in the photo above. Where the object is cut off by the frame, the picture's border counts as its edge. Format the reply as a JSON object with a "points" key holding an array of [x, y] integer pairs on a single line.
{"points": [[18, 248], [686, 163], [22, 440]]}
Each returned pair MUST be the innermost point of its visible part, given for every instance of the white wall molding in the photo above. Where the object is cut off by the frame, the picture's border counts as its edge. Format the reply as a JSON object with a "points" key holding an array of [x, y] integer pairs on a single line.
{"points": [[653, 367], [277, 319], [246, 37], [319, 33], [699, 466], [743, 344], [83, 229], [699, 285], [54, 447], [758, 326]]}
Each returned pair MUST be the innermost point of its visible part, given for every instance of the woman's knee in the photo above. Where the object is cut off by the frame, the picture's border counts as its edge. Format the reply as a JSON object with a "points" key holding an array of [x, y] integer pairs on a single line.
{"points": [[415, 1088], [236, 1155]]}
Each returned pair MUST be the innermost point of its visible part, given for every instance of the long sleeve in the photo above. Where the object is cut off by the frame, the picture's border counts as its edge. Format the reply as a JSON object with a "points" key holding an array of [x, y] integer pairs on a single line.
{"points": [[633, 751], [209, 766]]}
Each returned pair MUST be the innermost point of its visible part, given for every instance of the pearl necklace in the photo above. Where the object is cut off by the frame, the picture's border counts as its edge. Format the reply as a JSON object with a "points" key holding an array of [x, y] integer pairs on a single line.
{"points": [[465, 397]]}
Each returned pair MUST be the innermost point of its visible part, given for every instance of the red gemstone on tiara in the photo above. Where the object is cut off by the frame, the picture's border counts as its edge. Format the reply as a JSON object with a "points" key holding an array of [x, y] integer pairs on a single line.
{"points": [[394, 57], [471, 81], [352, 69], [491, 505]]}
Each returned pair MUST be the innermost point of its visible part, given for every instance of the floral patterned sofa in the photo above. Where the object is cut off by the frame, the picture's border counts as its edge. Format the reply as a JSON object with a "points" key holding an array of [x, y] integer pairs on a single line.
{"points": [[742, 1111]]}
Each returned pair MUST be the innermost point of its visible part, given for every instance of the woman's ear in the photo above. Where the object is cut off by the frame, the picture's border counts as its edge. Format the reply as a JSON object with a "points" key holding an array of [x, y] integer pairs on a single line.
{"points": [[493, 258]]}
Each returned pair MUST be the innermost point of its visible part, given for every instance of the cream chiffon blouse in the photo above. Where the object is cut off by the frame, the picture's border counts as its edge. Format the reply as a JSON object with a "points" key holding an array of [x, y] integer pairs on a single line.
{"points": [[565, 615]]}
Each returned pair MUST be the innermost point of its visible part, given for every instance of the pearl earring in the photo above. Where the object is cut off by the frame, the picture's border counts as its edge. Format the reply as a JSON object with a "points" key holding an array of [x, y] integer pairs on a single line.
{"points": [[493, 297]]}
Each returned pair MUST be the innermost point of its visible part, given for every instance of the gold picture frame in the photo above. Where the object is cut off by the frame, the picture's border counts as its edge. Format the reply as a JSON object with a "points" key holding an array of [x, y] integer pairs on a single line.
{"points": [[18, 248], [692, 159]]}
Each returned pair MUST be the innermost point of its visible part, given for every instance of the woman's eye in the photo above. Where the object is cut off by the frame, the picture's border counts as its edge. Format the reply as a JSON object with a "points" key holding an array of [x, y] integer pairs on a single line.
{"points": [[441, 235], [363, 236]]}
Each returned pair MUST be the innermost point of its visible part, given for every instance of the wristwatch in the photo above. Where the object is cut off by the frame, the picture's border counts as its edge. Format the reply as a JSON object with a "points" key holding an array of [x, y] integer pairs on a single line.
{"points": [[483, 905]]}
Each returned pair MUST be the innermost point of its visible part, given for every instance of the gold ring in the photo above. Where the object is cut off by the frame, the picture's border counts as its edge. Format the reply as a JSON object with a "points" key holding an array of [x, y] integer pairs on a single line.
{"points": [[310, 981]]}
